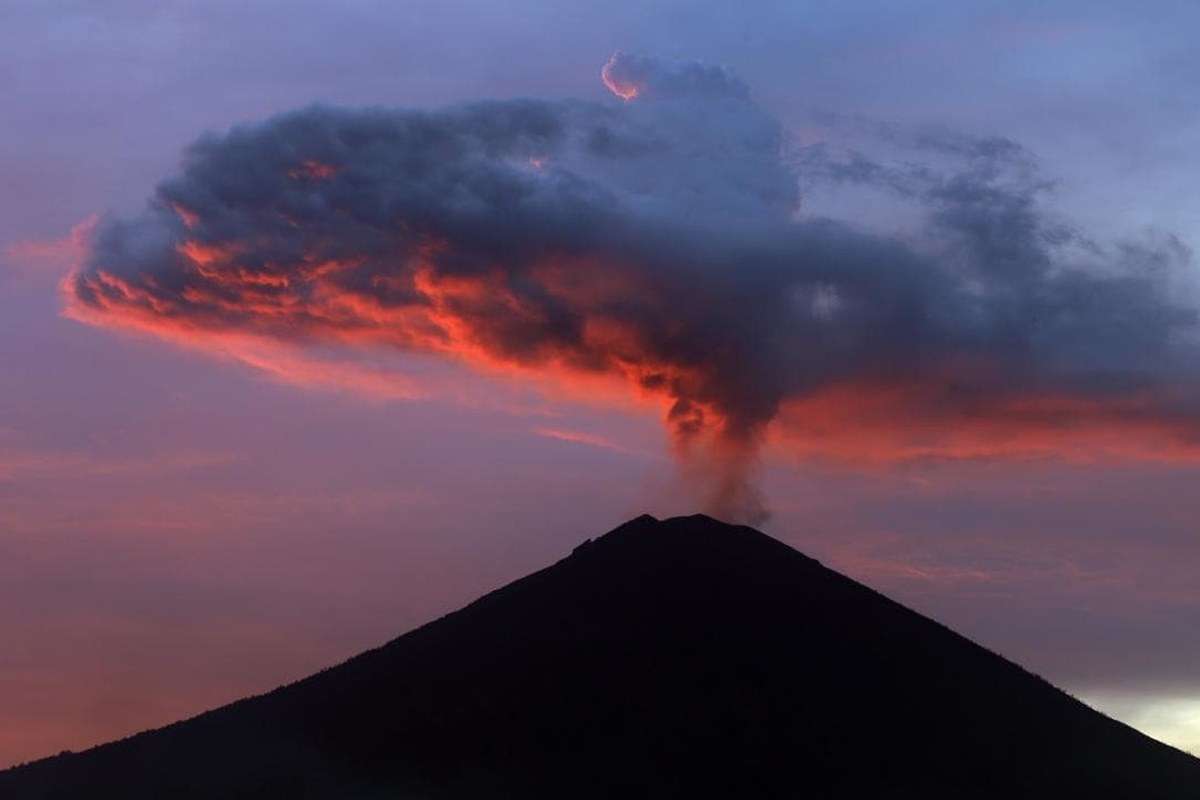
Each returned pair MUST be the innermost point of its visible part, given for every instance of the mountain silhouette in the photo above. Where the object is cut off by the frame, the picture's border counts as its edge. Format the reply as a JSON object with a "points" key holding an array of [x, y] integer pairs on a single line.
{"points": [[675, 658]]}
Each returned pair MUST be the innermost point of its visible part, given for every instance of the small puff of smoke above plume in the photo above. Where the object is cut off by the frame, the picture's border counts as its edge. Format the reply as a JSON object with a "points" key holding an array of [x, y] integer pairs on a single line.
{"points": [[658, 240], [629, 76]]}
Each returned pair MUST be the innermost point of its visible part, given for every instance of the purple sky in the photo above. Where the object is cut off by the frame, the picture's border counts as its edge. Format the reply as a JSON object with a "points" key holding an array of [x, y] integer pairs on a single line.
{"points": [[178, 530]]}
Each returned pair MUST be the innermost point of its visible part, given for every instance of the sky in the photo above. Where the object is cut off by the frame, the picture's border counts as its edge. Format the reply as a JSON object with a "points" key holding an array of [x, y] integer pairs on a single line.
{"points": [[247, 429]]}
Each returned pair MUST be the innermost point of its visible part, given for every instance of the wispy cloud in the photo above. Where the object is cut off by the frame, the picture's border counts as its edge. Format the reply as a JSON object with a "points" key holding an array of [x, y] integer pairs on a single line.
{"points": [[586, 439], [16, 464], [53, 257]]}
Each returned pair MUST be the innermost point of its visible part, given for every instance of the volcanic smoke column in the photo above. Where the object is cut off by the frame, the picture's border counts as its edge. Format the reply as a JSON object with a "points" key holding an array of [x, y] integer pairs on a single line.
{"points": [[654, 238]]}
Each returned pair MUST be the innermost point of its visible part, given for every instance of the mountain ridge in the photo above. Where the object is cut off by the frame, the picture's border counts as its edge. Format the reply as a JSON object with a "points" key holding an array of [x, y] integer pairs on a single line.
{"points": [[664, 658]]}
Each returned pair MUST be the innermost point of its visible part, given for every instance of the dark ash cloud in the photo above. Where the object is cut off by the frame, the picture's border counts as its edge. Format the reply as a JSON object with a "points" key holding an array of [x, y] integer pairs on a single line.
{"points": [[659, 238]]}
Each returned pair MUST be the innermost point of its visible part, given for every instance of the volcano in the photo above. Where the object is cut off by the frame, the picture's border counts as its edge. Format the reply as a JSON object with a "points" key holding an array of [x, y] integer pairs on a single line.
{"points": [[675, 658]]}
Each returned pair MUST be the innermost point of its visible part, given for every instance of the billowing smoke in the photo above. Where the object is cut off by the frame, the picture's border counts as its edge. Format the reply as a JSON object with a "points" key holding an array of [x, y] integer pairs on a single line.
{"points": [[658, 237]]}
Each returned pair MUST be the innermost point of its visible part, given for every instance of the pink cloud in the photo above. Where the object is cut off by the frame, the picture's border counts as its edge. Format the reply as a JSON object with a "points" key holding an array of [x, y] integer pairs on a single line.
{"points": [[53, 256]]}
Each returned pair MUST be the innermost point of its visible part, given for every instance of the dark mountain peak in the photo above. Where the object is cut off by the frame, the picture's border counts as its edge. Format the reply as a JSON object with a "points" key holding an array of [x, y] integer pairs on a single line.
{"points": [[642, 521], [690, 538], [682, 657], [692, 524]]}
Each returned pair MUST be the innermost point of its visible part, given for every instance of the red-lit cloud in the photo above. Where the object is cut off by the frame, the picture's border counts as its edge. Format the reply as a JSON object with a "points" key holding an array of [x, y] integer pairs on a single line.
{"points": [[622, 88], [891, 424]]}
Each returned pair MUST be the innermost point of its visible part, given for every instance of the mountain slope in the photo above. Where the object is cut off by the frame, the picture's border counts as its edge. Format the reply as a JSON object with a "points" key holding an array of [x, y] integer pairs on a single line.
{"points": [[665, 659]]}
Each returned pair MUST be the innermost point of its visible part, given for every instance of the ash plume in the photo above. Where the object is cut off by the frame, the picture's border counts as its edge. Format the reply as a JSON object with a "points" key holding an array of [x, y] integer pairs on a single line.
{"points": [[659, 238]]}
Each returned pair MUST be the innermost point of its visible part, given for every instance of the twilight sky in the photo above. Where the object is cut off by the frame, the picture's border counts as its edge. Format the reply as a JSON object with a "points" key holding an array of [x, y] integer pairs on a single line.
{"points": [[350, 369]]}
